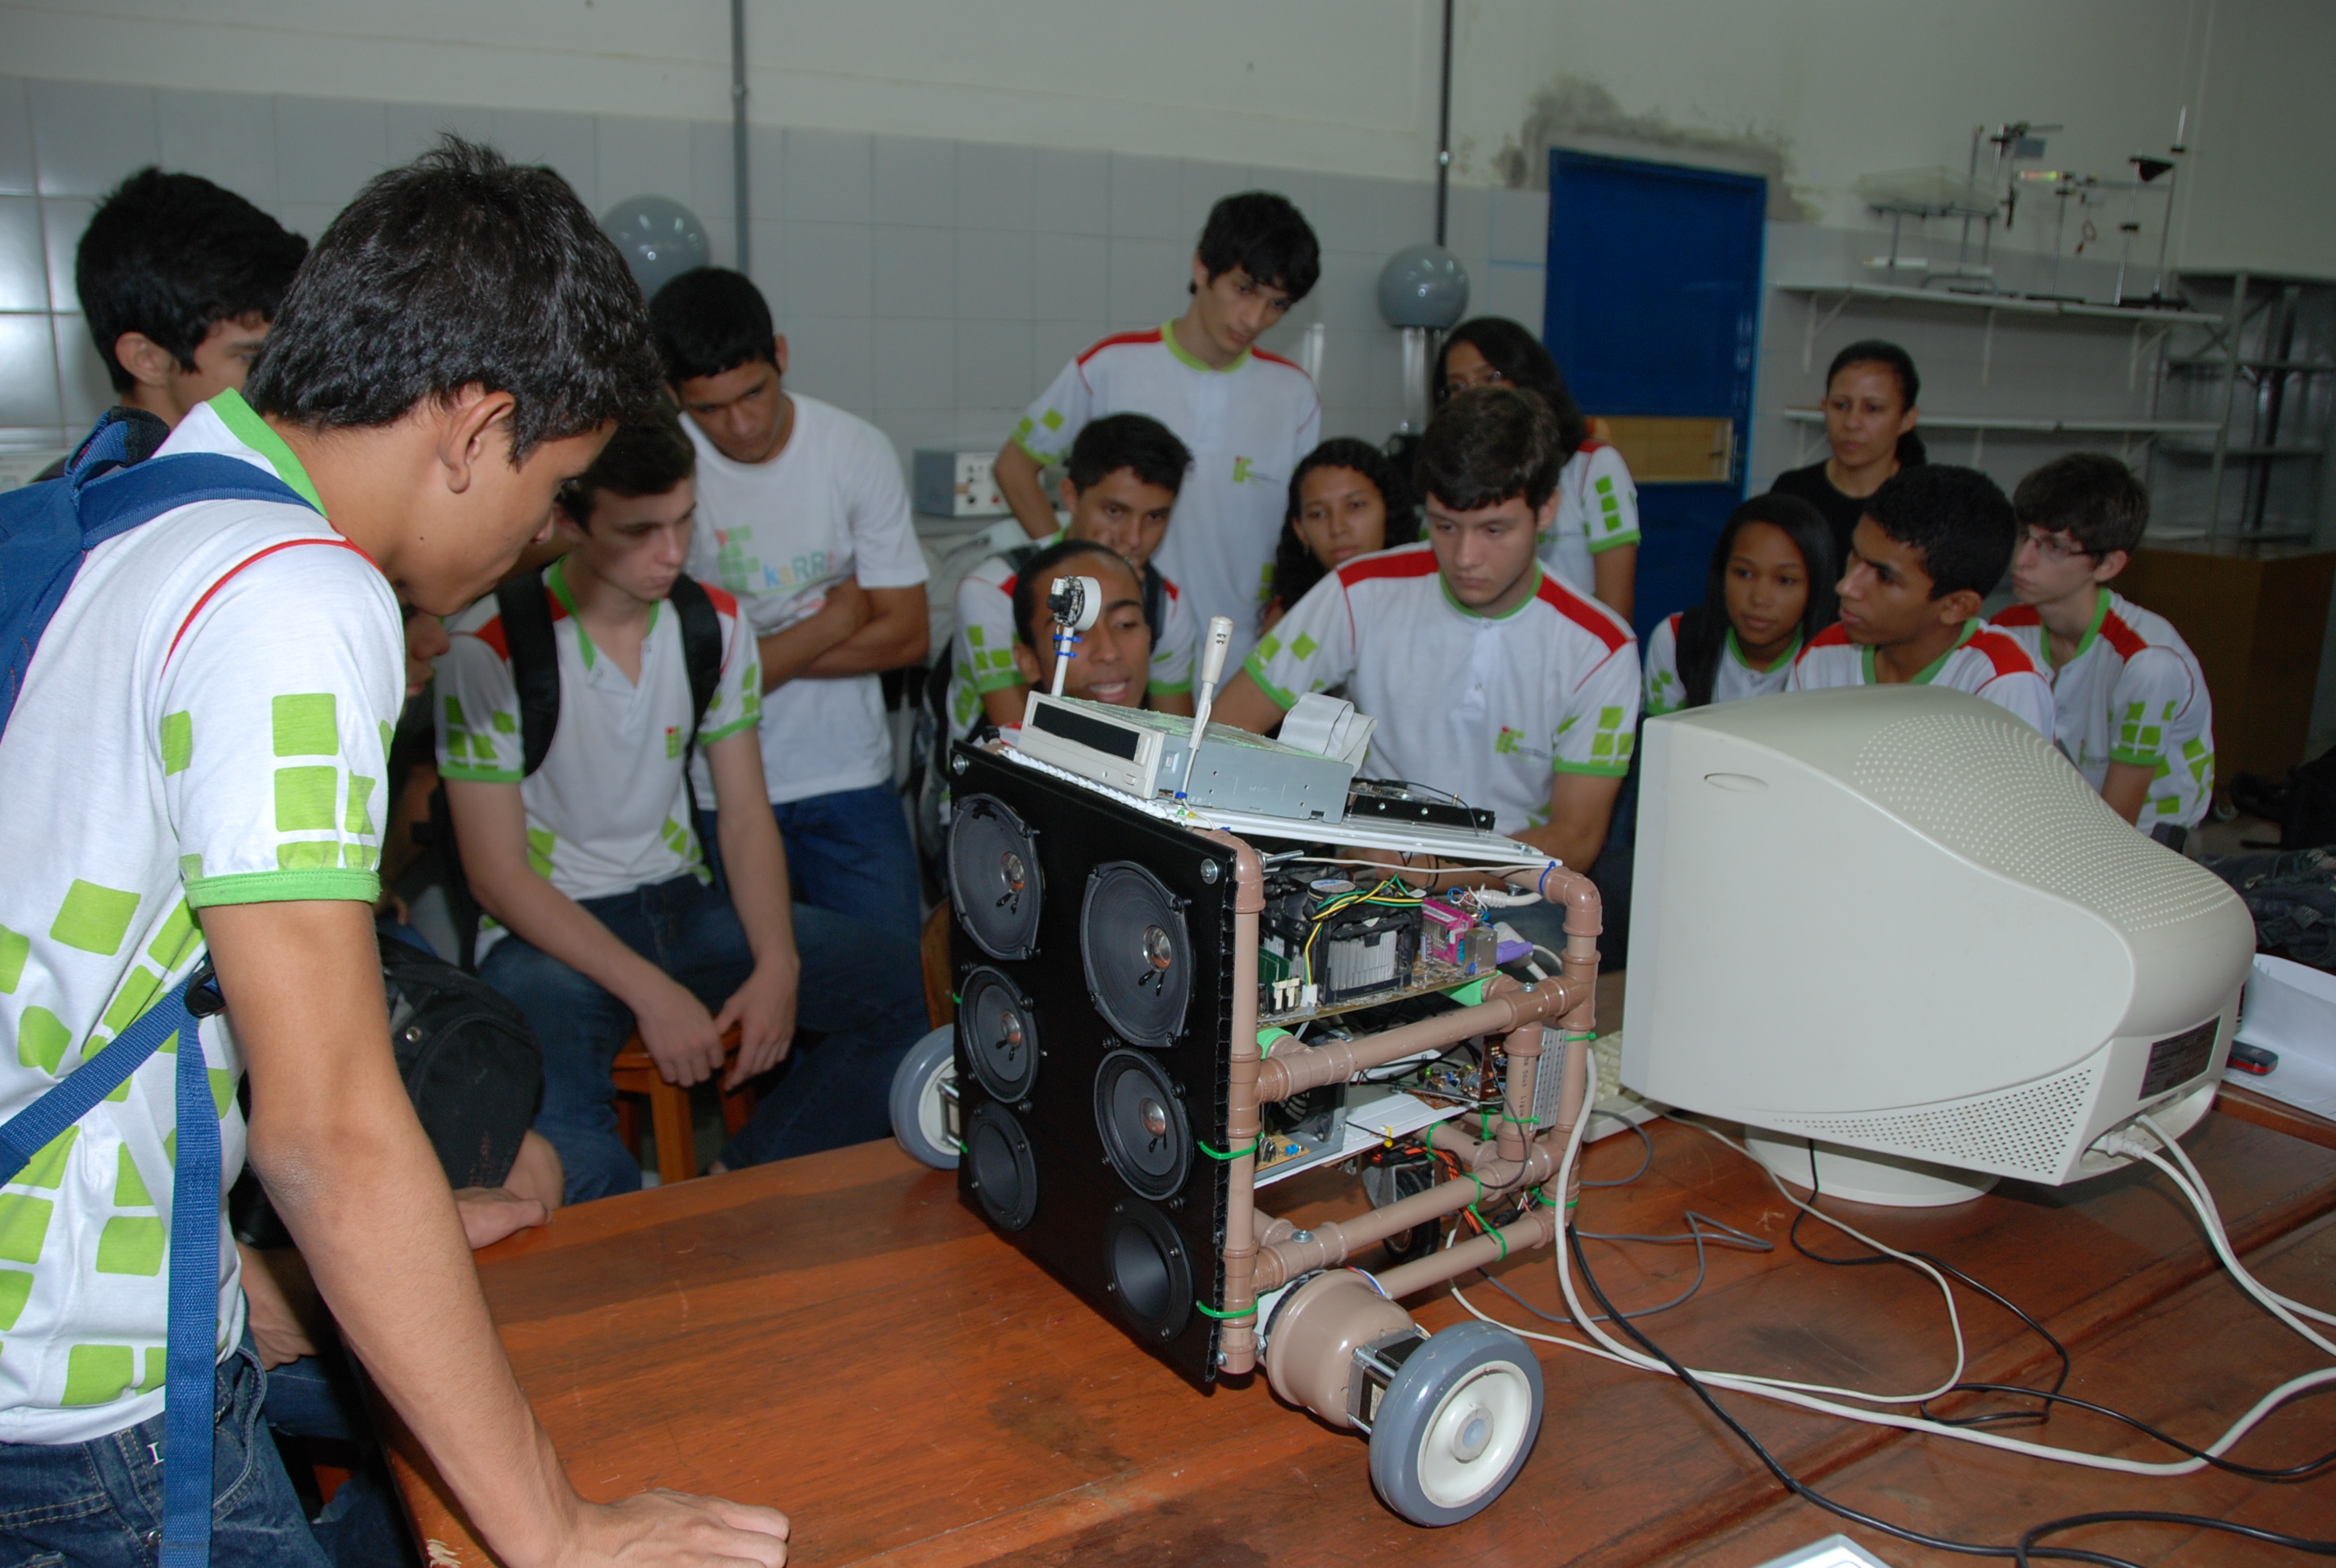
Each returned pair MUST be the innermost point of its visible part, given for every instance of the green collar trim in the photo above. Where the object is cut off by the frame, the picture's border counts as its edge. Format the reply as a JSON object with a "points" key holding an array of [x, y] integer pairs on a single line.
{"points": [[555, 578], [1931, 670], [1168, 341], [2092, 632], [1736, 652], [256, 433], [1509, 614]]}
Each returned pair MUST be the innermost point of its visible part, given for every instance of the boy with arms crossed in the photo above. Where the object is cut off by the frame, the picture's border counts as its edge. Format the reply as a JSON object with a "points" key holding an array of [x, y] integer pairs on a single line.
{"points": [[2129, 698], [1246, 414], [1123, 477], [1934, 541], [1488, 676], [805, 519], [457, 346], [592, 862]]}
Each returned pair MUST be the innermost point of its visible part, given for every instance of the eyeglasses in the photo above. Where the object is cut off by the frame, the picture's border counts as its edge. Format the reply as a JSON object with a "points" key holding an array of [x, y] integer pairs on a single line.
{"points": [[1464, 380], [2053, 547]]}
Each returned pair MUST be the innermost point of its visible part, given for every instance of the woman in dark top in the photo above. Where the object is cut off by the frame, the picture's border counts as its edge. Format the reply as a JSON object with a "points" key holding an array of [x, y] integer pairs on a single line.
{"points": [[1869, 416]]}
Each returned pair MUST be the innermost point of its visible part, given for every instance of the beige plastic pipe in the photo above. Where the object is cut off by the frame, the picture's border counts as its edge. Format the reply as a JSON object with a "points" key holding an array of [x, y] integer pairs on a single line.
{"points": [[1535, 1228], [1502, 1012], [1237, 1342], [1332, 1242]]}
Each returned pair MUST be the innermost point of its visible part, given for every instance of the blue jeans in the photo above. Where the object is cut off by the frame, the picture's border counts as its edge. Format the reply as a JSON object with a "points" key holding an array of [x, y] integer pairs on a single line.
{"points": [[101, 1503], [317, 1396], [849, 851], [861, 990]]}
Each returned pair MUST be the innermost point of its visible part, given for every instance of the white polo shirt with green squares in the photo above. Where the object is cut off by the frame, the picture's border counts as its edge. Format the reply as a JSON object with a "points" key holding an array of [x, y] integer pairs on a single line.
{"points": [[1596, 510], [1486, 707], [206, 721]]}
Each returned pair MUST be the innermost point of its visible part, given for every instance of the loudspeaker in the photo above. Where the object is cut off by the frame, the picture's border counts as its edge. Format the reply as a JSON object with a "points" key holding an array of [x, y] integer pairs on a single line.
{"points": [[1093, 959]]}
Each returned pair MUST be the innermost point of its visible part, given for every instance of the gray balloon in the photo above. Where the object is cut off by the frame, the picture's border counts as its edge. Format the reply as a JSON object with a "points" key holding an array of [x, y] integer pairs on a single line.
{"points": [[660, 240], [1423, 286]]}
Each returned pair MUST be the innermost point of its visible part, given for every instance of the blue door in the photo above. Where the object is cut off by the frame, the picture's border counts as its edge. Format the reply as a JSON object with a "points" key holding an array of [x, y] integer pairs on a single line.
{"points": [[1654, 308]]}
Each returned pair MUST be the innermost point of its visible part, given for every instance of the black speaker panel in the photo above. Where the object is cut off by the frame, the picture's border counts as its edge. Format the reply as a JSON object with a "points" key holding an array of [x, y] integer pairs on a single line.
{"points": [[1133, 1224], [993, 876], [997, 1032]]}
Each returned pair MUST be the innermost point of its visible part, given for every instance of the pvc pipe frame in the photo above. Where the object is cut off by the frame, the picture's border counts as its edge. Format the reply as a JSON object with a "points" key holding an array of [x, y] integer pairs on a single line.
{"points": [[1510, 1160]]}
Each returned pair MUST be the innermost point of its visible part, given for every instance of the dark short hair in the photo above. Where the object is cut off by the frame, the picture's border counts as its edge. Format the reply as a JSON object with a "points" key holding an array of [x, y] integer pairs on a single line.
{"points": [[1956, 517], [1132, 440], [647, 455], [461, 270], [1266, 238], [1703, 629], [711, 319], [1508, 347], [1881, 351], [173, 255], [1487, 445], [1028, 606], [2088, 494], [1295, 569]]}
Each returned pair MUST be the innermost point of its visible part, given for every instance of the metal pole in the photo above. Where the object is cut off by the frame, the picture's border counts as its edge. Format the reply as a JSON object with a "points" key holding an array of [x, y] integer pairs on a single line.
{"points": [[1442, 128], [739, 127]]}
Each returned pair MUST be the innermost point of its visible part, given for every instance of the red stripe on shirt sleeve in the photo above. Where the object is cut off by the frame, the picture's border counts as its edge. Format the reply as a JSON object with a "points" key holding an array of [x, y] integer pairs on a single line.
{"points": [[1119, 337], [2121, 637], [1597, 622], [2007, 656]]}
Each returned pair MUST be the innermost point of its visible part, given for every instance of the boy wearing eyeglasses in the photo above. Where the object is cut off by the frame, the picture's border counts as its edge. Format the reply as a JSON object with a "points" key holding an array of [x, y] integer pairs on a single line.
{"points": [[2129, 697]]}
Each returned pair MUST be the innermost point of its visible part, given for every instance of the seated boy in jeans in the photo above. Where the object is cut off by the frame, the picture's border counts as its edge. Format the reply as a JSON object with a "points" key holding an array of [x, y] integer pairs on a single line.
{"points": [[609, 919]]}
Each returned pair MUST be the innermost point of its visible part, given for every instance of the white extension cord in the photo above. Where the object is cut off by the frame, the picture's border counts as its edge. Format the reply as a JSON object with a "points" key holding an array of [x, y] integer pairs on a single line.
{"points": [[1806, 1395]]}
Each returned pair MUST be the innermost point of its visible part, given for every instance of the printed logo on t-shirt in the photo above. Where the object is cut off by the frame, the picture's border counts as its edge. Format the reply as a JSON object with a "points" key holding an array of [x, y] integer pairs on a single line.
{"points": [[1240, 468], [1505, 743], [742, 572], [672, 741]]}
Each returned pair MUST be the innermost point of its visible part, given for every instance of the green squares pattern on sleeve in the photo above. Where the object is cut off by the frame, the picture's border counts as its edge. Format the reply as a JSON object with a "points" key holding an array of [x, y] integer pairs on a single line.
{"points": [[305, 797], [130, 1190], [46, 1168], [13, 951], [41, 1040], [95, 1374], [94, 918], [177, 741], [131, 1244], [504, 724], [15, 1289], [358, 820], [24, 1227], [303, 724]]}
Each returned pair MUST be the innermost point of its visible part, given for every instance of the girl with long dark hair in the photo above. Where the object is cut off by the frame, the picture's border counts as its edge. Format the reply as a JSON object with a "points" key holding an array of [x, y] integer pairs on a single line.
{"points": [[1769, 589], [1345, 500]]}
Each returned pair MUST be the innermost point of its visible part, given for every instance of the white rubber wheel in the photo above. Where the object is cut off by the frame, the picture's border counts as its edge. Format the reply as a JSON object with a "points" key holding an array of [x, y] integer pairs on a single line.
{"points": [[1456, 1424], [920, 1119]]}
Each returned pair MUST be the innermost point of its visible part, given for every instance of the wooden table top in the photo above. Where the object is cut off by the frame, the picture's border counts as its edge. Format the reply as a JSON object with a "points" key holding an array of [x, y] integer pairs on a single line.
{"points": [[836, 1337]]}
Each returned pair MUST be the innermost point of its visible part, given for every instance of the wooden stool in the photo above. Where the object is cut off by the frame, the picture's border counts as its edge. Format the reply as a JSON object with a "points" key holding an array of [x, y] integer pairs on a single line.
{"points": [[635, 1073]]}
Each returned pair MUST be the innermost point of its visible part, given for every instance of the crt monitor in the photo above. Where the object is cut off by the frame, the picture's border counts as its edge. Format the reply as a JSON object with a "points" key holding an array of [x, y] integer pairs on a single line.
{"points": [[1896, 935]]}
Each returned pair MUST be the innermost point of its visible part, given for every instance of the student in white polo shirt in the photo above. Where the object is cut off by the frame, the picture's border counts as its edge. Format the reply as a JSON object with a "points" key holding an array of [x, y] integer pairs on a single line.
{"points": [[608, 917], [1767, 593], [805, 519], [2131, 701], [1246, 414], [1120, 486], [1934, 541], [1489, 677]]}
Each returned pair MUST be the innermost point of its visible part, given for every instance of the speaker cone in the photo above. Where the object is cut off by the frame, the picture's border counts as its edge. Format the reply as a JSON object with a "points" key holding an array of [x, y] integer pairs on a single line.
{"points": [[993, 876], [1143, 1124], [1000, 1034], [1137, 954], [1150, 1277], [1005, 1177]]}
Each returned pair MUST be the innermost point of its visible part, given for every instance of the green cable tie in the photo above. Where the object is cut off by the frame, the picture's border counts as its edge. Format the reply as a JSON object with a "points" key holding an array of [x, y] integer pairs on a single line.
{"points": [[1492, 1231], [1222, 1316], [1521, 1121], [1237, 1154], [1269, 1038]]}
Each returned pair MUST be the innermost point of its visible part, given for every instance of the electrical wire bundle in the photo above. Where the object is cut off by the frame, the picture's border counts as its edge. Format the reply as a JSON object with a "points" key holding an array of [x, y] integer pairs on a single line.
{"points": [[1392, 892]]}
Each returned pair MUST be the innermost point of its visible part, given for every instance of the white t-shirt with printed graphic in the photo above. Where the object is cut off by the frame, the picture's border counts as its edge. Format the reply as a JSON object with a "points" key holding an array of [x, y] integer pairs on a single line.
{"points": [[1596, 510], [206, 721], [1485, 707], [609, 810], [778, 535], [2132, 692], [981, 649], [1247, 425], [1984, 663], [1731, 680]]}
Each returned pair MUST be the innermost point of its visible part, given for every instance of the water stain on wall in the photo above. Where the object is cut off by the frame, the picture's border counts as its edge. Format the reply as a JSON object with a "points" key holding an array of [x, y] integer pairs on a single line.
{"points": [[1581, 112]]}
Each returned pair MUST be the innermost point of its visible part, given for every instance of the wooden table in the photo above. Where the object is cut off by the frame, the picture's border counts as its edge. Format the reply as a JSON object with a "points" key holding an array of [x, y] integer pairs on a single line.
{"points": [[836, 1337]]}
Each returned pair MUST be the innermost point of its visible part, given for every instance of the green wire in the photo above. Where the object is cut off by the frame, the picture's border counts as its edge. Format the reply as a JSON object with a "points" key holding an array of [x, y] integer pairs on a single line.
{"points": [[1219, 1155], [1220, 1317]]}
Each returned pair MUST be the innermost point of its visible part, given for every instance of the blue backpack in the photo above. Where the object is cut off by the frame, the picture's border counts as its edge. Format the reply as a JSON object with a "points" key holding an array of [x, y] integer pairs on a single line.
{"points": [[47, 531]]}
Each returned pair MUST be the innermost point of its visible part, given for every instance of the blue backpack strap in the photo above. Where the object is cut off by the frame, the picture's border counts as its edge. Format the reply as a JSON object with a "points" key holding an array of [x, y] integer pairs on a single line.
{"points": [[191, 1354]]}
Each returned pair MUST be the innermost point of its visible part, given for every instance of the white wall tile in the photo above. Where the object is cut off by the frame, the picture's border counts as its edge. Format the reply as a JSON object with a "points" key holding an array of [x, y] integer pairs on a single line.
{"points": [[766, 173], [415, 129], [1201, 186], [828, 176], [1147, 199], [16, 139], [85, 138], [1468, 226], [567, 143], [23, 261], [228, 138], [828, 358], [1148, 280], [996, 185], [993, 363], [769, 270], [28, 373], [1070, 276], [1055, 344], [913, 364], [713, 193], [88, 391], [914, 269], [1071, 191], [996, 274], [641, 158], [914, 181], [62, 220], [326, 148], [1520, 225], [1519, 293], [721, 242], [308, 219], [828, 268]]}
